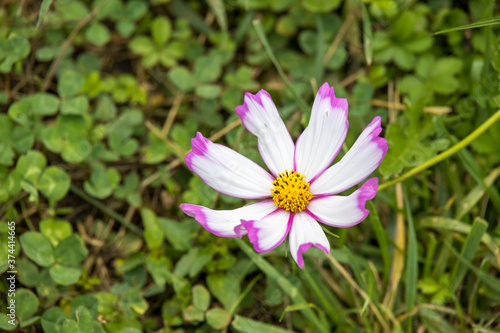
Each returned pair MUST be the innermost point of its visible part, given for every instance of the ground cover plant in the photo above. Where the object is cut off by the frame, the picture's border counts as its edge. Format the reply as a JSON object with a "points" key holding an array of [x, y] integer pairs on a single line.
{"points": [[99, 102]]}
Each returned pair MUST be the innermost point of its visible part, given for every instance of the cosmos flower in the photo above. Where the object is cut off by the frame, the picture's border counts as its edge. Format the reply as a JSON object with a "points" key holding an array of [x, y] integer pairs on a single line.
{"points": [[301, 189]]}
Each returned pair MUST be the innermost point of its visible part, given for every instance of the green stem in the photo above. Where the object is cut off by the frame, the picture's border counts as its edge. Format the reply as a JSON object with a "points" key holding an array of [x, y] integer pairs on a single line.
{"points": [[262, 36], [447, 153], [106, 210]]}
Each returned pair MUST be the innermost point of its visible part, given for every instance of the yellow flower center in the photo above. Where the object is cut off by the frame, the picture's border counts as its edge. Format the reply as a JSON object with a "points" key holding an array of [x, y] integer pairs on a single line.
{"points": [[291, 191]]}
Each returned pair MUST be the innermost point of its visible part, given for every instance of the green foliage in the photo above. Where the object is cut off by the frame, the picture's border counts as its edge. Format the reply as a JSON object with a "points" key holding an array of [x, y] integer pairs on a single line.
{"points": [[100, 100], [159, 48]]}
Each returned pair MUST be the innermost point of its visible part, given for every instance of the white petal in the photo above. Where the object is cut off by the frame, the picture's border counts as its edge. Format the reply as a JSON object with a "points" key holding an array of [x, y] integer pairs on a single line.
{"points": [[359, 162], [343, 212], [223, 222], [227, 171], [306, 232], [267, 233], [260, 116], [322, 139]]}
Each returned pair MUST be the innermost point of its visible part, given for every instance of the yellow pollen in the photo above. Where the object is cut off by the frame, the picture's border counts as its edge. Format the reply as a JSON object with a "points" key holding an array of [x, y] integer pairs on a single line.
{"points": [[291, 191]]}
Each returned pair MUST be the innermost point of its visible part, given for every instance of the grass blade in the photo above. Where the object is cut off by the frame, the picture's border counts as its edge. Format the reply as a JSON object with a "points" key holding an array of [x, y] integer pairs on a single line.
{"points": [[469, 250], [247, 325], [481, 23], [411, 262], [381, 237], [488, 280], [443, 223], [367, 35], [219, 10], [465, 206], [328, 302], [283, 282], [44, 8]]}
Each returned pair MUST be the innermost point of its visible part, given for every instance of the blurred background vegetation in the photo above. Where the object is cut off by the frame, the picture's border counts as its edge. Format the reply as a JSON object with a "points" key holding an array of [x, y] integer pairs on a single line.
{"points": [[99, 101]]}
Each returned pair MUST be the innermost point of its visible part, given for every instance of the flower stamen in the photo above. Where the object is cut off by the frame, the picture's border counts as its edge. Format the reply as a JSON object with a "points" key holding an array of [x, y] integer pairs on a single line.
{"points": [[291, 191]]}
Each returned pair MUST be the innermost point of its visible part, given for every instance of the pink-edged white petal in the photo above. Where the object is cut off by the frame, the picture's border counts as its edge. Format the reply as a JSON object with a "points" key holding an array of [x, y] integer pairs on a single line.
{"points": [[360, 161], [306, 232], [227, 171], [224, 223], [269, 232], [344, 211], [322, 139], [260, 116]]}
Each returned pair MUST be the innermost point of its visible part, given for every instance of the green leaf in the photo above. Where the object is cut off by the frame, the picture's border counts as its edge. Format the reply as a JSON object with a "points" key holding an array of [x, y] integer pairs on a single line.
{"points": [[206, 69], [6, 155], [65, 275], [180, 235], [75, 106], [428, 286], [192, 313], [102, 182], [90, 302], [6, 322], [54, 183], [26, 304], [182, 78], [70, 326], [105, 109], [161, 30], [43, 104], [209, 91], [218, 318], [22, 139], [37, 247], [55, 230], [159, 267], [419, 42], [20, 111], [52, 320], [6, 127], [85, 320], [153, 233], [70, 83], [142, 45], [76, 149], [27, 272], [225, 288], [201, 297], [98, 34], [320, 6], [31, 165], [192, 262], [156, 151], [52, 139], [71, 251]]}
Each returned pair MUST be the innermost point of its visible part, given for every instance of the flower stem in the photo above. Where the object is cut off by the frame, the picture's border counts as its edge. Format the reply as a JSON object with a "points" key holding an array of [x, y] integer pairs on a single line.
{"points": [[447, 153], [262, 36]]}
